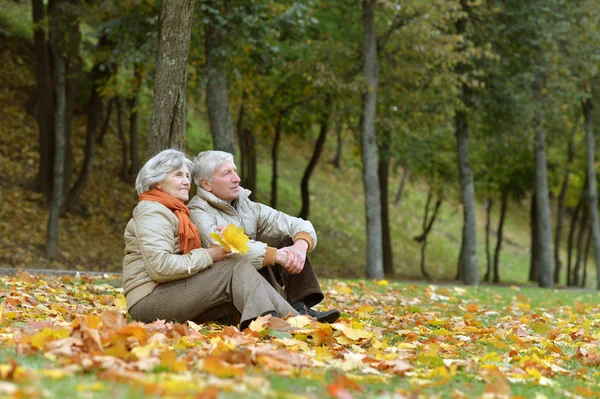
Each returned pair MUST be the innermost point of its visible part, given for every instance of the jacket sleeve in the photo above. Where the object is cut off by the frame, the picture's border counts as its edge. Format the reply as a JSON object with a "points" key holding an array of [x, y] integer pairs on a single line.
{"points": [[207, 223], [274, 226], [156, 235]]}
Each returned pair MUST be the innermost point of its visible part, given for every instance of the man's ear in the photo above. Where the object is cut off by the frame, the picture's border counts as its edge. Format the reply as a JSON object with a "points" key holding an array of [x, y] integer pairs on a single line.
{"points": [[205, 185]]}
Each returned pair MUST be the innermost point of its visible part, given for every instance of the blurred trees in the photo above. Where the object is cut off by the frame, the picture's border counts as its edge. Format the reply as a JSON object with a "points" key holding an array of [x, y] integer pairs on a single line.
{"points": [[478, 101]]}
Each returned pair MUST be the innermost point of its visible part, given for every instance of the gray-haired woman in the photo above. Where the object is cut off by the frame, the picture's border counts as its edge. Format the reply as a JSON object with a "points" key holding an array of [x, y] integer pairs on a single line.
{"points": [[167, 274]]}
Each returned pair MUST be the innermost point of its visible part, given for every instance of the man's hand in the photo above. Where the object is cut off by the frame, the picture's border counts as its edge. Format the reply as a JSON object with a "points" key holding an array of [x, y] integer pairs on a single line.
{"points": [[292, 258]]}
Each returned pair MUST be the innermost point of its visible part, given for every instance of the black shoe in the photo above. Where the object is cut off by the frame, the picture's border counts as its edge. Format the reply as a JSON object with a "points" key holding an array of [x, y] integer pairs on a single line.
{"points": [[328, 316]]}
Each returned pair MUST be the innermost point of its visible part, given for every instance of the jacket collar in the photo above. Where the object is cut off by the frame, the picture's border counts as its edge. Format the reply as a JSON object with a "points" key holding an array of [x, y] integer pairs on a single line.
{"points": [[218, 203]]}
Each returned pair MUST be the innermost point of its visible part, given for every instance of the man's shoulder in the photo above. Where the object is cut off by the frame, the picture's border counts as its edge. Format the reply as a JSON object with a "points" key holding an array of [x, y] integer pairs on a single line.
{"points": [[197, 203]]}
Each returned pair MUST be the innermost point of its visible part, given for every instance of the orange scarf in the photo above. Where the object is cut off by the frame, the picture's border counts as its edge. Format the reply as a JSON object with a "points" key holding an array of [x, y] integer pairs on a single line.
{"points": [[189, 237]]}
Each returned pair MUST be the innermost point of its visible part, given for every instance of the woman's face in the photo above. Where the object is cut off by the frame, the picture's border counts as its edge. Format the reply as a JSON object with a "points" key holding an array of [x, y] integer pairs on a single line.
{"points": [[176, 183]]}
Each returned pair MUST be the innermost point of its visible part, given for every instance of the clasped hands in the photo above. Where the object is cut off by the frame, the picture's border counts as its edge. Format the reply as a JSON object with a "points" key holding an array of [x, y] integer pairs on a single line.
{"points": [[292, 258]]}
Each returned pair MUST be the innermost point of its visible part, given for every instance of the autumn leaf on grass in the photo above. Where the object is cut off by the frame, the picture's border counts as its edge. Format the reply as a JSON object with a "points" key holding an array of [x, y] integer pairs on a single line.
{"points": [[232, 239]]}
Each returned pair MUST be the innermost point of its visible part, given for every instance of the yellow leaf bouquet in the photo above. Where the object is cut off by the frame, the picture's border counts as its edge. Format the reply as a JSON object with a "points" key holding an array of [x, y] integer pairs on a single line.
{"points": [[233, 239]]}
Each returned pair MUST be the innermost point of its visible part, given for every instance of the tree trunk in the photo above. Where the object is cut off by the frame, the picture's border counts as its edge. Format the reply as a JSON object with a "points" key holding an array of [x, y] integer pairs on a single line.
{"points": [[546, 276], [592, 190], [572, 228], [121, 131], [247, 150], [468, 253], [57, 51], [132, 104], [427, 225], [106, 122], [383, 172], [583, 227], [500, 236], [402, 185], [304, 211], [585, 258], [488, 221], [337, 158], [560, 210], [369, 144], [168, 123], [45, 103], [274, 165], [534, 261], [239, 127], [217, 98], [94, 113]]}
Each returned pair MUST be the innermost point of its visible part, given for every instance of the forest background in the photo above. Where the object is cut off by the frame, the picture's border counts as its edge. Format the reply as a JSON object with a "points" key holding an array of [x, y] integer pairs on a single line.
{"points": [[483, 122]]}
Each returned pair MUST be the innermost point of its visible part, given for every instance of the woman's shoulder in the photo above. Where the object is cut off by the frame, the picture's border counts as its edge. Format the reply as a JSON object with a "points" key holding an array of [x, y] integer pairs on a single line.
{"points": [[145, 209]]}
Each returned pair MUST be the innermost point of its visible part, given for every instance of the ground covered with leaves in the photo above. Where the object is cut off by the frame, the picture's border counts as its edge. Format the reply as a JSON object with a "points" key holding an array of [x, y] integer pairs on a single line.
{"points": [[70, 335]]}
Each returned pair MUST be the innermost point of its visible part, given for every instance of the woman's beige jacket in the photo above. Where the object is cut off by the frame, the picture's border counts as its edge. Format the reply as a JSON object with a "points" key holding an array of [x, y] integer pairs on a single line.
{"points": [[152, 253]]}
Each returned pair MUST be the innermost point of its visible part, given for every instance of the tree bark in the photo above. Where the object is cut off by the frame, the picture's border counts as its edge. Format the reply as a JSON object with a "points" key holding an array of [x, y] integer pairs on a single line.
{"points": [[586, 257], [488, 221], [561, 207], [592, 189], [572, 228], [217, 98], [45, 103], [468, 254], [168, 123], [337, 158], [123, 139], [132, 104], [274, 164], [546, 276], [402, 185], [106, 122], [500, 237], [94, 113], [369, 144], [305, 210], [534, 262], [583, 227], [427, 225], [57, 50], [383, 171], [247, 150]]}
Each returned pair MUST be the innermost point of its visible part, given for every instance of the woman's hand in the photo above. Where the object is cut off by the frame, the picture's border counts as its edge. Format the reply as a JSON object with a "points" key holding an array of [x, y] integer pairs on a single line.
{"points": [[218, 253]]}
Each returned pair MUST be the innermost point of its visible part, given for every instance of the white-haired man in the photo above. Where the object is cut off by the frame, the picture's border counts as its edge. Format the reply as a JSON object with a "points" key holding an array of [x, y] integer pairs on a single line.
{"points": [[278, 242]]}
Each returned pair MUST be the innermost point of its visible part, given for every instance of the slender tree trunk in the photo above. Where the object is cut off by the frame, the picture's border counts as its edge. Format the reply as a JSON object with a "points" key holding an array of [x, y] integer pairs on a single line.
{"points": [[369, 144], [402, 185], [168, 123], [105, 122], [60, 133], [132, 104], [383, 171], [45, 103], [586, 257], [247, 150], [94, 113], [311, 166], [583, 227], [468, 253], [427, 225], [123, 139], [592, 189], [217, 98], [274, 164], [239, 127], [534, 262], [500, 236], [543, 202], [572, 228], [488, 221], [561, 206], [337, 158]]}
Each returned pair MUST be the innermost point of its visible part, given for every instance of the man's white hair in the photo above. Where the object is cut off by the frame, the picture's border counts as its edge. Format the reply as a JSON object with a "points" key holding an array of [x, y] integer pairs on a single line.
{"points": [[207, 162]]}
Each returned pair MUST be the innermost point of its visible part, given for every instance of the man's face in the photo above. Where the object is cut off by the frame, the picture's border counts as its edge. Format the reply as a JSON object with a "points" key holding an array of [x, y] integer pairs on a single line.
{"points": [[224, 183]]}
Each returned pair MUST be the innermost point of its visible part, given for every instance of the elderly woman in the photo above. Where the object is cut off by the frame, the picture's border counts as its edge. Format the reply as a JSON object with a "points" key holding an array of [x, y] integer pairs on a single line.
{"points": [[166, 272]]}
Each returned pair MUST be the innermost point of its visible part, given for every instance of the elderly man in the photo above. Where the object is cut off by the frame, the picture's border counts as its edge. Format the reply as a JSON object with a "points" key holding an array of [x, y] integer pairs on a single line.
{"points": [[278, 242]]}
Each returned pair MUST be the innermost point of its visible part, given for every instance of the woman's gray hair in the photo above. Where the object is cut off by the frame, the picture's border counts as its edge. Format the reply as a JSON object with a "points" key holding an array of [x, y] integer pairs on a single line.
{"points": [[157, 167], [207, 162]]}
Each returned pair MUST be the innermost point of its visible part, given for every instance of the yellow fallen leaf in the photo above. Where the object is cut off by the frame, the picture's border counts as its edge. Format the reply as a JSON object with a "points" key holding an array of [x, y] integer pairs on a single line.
{"points": [[299, 321], [120, 302], [356, 335], [233, 239], [382, 282]]}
